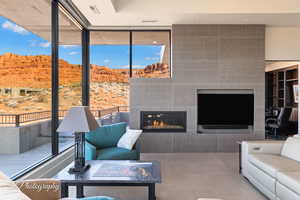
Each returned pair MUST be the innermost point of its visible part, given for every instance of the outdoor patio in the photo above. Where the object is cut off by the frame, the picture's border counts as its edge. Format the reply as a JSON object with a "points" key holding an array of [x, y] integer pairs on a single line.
{"points": [[12, 164]]}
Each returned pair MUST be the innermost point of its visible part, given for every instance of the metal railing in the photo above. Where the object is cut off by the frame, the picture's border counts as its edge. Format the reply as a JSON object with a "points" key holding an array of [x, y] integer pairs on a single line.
{"points": [[18, 119]]}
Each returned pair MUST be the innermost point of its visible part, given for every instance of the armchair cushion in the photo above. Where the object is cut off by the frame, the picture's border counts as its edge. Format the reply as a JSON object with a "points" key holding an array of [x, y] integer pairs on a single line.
{"points": [[90, 151], [116, 153], [106, 136]]}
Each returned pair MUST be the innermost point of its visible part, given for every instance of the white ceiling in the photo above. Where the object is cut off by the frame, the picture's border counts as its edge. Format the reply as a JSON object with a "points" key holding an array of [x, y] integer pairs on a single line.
{"points": [[35, 15], [167, 12]]}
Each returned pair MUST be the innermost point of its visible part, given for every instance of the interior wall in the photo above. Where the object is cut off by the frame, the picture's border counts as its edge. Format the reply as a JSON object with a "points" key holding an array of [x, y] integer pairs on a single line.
{"points": [[208, 57], [283, 43]]}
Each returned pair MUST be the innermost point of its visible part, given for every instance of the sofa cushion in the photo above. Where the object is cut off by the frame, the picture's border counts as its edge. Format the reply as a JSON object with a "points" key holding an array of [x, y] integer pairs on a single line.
{"points": [[106, 136], [263, 181], [285, 193], [291, 148], [9, 190], [290, 180], [116, 153], [271, 164]]}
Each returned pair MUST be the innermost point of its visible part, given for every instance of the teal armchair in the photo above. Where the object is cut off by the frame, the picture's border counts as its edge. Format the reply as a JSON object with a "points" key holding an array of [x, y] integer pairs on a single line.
{"points": [[101, 144]]}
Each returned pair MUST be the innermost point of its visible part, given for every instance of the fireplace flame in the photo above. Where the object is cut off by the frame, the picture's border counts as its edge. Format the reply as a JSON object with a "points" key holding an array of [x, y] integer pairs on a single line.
{"points": [[159, 124]]}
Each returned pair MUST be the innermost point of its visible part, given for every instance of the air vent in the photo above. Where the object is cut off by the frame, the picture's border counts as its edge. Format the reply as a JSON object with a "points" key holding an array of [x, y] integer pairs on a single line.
{"points": [[150, 21]]}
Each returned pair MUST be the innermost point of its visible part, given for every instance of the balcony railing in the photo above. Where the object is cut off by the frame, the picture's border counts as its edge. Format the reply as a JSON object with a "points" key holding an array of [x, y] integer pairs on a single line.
{"points": [[18, 119]]}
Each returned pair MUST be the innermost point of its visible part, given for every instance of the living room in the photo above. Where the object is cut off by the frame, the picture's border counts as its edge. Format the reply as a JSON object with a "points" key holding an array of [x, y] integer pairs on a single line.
{"points": [[117, 100]]}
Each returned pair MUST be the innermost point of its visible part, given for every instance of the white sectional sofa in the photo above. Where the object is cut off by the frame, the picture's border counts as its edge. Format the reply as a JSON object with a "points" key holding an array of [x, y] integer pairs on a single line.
{"points": [[273, 167]]}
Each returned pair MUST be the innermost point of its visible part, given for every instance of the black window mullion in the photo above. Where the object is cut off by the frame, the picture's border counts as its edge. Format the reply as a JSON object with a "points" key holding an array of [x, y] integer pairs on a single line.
{"points": [[54, 75], [85, 67], [130, 54]]}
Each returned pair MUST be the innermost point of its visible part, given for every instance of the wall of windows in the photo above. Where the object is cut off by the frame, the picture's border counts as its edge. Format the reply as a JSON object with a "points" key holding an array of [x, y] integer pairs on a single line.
{"points": [[110, 56], [151, 54], [27, 100], [70, 71], [25, 91], [109, 69], [42, 76]]}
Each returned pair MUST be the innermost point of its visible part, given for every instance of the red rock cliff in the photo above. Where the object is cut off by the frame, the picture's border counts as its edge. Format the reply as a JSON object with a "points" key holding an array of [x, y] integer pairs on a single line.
{"points": [[35, 72]]}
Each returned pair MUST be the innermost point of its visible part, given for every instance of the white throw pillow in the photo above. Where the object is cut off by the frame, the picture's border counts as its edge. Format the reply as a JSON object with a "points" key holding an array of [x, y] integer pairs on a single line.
{"points": [[129, 138]]}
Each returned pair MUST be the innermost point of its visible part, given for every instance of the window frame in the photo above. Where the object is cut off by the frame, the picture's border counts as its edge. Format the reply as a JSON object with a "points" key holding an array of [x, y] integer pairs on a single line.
{"points": [[85, 48], [130, 39]]}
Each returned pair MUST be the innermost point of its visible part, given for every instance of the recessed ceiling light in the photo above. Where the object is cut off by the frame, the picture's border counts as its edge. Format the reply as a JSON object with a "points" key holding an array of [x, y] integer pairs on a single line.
{"points": [[150, 21], [95, 9]]}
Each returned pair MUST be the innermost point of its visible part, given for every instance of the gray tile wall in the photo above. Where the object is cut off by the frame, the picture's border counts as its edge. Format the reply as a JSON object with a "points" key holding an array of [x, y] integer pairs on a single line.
{"points": [[204, 57]]}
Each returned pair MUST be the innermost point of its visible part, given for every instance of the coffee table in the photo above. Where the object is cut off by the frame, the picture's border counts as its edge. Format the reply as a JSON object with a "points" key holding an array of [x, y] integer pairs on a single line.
{"points": [[112, 173]]}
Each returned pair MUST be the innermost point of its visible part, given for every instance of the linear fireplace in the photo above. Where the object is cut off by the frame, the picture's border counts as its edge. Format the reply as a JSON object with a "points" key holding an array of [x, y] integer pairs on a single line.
{"points": [[163, 121]]}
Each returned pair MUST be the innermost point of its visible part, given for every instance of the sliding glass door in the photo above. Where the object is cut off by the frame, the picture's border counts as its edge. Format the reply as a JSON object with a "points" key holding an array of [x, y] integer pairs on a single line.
{"points": [[69, 70], [41, 68], [25, 88]]}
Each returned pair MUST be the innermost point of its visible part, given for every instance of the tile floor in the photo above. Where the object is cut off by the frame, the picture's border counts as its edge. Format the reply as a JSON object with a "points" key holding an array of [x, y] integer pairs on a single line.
{"points": [[11, 164], [189, 176]]}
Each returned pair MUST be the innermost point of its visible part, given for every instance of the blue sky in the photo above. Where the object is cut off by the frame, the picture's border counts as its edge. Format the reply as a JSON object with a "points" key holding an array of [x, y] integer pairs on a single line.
{"points": [[17, 40]]}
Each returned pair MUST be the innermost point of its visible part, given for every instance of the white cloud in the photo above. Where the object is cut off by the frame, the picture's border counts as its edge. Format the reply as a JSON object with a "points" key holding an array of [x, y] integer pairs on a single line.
{"points": [[151, 58], [32, 43], [138, 66], [133, 67], [14, 27], [69, 46], [123, 67], [44, 44], [106, 61], [73, 53]]}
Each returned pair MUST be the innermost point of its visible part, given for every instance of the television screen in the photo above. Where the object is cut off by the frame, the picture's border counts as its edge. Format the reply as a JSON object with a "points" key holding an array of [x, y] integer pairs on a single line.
{"points": [[225, 109]]}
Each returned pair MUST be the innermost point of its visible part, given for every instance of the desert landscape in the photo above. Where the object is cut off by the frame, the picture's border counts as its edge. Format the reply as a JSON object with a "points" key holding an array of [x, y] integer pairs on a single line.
{"points": [[25, 84]]}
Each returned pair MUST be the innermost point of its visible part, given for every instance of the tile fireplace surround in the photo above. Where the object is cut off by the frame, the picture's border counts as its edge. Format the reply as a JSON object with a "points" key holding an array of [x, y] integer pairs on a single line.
{"points": [[205, 57]]}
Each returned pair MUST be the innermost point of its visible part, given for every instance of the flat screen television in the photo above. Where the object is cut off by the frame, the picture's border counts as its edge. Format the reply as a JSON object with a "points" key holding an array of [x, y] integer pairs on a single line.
{"points": [[227, 110]]}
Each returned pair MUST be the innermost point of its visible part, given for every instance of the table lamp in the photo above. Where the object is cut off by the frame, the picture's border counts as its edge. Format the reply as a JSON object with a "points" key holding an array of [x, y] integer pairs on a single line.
{"points": [[78, 120]]}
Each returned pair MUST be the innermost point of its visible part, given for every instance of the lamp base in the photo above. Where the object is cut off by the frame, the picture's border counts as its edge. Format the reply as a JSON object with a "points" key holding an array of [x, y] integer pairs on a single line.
{"points": [[81, 170]]}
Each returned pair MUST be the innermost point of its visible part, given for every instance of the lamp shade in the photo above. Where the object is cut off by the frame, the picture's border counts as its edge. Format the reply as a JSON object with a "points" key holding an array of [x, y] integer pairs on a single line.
{"points": [[78, 119]]}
